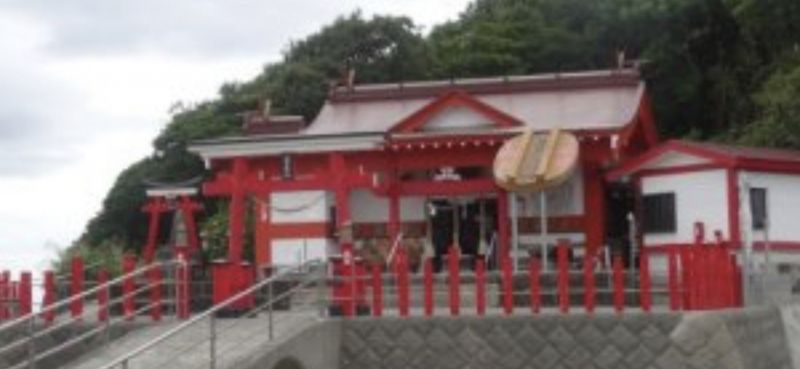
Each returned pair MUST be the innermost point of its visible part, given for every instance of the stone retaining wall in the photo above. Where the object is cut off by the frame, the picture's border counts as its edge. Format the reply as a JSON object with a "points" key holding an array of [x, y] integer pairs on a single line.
{"points": [[742, 339]]}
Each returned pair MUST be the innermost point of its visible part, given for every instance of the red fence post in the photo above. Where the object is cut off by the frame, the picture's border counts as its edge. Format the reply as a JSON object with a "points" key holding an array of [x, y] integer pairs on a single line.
{"points": [[155, 293], [128, 286], [534, 272], [403, 281], [377, 289], [619, 284], [508, 285], [563, 277], [588, 283], [428, 286], [76, 287], [453, 261], [102, 295], [737, 285], [49, 297], [645, 298], [25, 293], [480, 285], [672, 279], [4, 294]]}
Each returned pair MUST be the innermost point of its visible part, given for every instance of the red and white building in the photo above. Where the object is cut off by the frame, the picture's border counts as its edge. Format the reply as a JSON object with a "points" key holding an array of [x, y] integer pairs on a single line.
{"points": [[388, 161], [413, 162], [741, 195]]}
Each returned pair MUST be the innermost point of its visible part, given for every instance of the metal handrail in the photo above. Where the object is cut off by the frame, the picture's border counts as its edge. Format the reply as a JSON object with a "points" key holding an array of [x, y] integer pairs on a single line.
{"points": [[200, 317], [83, 295], [393, 250]]}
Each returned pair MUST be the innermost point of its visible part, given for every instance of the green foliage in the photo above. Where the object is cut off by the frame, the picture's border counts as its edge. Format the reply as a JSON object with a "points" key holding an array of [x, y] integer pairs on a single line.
{"points": [[716, 69]]}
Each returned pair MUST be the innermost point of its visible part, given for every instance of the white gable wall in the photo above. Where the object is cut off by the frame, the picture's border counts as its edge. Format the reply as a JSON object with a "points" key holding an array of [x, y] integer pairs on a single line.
{"points": [[457, 117], [699, 197]]}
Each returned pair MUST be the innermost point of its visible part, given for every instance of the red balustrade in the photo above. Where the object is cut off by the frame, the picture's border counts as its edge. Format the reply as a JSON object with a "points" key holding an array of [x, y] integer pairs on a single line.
{"points": [[402, 281], [508, 285], [49, 297], [588, 284], [25, 293], [4, 296]]}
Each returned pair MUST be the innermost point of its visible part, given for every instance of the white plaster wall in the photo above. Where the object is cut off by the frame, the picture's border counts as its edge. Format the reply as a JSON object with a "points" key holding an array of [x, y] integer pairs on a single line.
{"points": [[300, 206], [699, 197], [783, 202], [367, 207], [294, 251]]}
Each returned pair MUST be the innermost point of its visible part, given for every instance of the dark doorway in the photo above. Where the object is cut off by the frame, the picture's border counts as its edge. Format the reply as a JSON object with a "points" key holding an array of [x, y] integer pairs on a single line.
{"points": [[470, 215], [620, 201]]}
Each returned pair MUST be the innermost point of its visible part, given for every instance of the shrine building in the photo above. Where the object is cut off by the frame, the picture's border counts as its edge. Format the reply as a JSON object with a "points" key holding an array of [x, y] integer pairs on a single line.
{"points": [[412, 163]]}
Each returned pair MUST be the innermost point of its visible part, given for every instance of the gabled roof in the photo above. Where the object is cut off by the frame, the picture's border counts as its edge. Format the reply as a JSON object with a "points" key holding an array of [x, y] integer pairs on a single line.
{"points": [[605, 100], [450, 100], [712, 155]]}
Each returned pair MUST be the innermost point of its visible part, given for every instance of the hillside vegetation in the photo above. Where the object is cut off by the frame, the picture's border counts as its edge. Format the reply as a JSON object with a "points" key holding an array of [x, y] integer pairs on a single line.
{"points": [[724, 70]]}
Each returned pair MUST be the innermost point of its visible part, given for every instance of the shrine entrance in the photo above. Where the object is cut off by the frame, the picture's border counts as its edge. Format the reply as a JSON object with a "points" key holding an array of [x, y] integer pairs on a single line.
{"points": [[469, 222]]}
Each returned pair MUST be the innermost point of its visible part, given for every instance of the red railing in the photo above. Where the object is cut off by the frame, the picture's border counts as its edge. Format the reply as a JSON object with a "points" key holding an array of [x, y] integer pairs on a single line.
{"points": [[704, 276]]}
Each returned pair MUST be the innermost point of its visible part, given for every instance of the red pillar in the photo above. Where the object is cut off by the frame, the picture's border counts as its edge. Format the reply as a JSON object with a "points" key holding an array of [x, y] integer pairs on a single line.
{"points": [[503, 224], [428, 286], [25, 293], [188, 207], [154, 207], [76, 287], [403, 281], [673, 279], [480, 286], [644, 282], [594, 203], [154, 275], [128, 286], [563, 276], [102, 295], [4, 295], [534, 272], [453, 278], [588, 283], [237, 210], [619, 284], [377, 290], [49, 296]]}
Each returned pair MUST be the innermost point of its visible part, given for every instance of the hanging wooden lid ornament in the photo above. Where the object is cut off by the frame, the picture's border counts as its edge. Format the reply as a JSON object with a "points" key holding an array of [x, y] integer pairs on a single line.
{"points": [[536, 161]]}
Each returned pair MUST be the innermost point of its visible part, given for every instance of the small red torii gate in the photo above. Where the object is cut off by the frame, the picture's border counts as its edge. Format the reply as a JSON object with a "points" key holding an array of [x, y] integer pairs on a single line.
{"points": [[163, 200]]}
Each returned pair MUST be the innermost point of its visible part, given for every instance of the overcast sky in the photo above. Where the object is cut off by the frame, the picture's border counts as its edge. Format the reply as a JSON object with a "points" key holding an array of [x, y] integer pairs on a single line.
{"points": [[85, 86]]}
